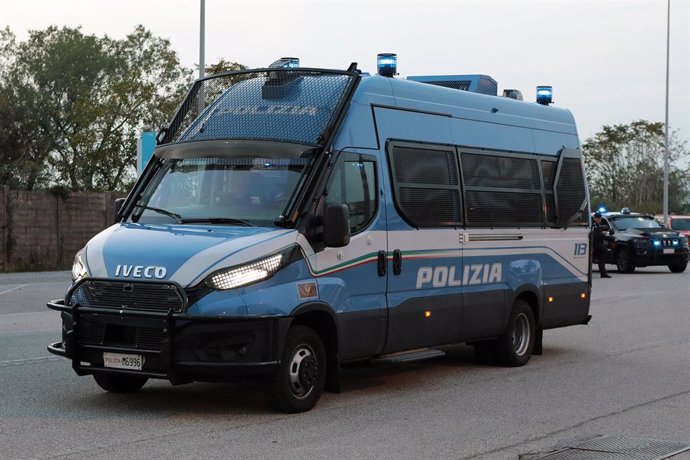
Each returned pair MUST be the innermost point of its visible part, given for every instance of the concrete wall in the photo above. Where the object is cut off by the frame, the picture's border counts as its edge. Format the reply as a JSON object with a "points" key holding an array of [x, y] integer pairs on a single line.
{"points": [[43, 231]]}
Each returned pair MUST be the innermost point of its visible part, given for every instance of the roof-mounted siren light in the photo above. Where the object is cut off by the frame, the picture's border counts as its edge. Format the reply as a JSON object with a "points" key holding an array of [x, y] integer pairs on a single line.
{"points": [[513, 94], [285, 63], [544, 95], [387, 64]]}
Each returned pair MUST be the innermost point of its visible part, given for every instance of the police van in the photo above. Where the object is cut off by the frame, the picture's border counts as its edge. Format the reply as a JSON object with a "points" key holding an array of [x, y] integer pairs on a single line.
{"points": [[294, 219]]}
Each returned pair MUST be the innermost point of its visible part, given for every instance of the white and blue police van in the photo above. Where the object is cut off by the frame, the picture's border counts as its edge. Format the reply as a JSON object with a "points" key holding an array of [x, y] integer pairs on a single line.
{"points": [[294, 219]]}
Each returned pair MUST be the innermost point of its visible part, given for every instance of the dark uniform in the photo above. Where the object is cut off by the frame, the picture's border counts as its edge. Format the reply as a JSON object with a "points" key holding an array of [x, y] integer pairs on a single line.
{"points": [[599, 245]]}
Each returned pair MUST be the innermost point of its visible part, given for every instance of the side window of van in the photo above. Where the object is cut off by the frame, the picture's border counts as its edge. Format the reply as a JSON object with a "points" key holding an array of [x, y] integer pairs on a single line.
{"points": [[427, 184], [353, 182], [502, 190]]}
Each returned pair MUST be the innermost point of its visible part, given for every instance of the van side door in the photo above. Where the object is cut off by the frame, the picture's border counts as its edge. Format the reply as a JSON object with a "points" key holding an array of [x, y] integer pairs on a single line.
{"points": [[424, 246]]}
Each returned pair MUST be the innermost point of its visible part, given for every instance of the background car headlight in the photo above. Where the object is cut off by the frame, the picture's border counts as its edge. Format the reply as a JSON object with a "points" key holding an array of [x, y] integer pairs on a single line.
{"points": [[247, 273], [78, 267]]}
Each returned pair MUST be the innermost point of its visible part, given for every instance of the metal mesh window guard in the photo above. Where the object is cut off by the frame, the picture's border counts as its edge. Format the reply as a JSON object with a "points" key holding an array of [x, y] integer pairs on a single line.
{"points": [[295, 105]]}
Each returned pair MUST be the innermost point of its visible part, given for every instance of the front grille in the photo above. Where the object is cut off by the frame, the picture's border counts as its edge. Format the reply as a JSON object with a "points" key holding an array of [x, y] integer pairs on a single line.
{"points": [[665, 243], [156, 297], [94, 332]]}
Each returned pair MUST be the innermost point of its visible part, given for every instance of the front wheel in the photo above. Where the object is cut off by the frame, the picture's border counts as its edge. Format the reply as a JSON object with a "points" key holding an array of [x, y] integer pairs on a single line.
{"points": [[297, 384], [514, 347], [624, 261], [678, 267], [119, 383]]}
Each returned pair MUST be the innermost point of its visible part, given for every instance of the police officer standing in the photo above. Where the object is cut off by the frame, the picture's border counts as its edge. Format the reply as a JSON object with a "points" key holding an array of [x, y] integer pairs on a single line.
{"points": [[599, 244]]}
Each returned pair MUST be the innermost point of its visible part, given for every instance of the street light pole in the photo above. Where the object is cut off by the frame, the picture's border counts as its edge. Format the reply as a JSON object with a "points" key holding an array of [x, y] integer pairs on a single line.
{"points": [[666, 153], [202, 39]]}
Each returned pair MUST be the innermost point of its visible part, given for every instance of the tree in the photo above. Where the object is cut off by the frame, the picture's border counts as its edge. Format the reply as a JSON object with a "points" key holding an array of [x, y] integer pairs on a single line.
{"points": [[75, 105], [223, 66], [625, 167]]}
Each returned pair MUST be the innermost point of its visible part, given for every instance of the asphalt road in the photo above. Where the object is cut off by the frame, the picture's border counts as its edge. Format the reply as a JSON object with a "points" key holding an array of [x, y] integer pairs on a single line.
{"points": [[626, 373]]}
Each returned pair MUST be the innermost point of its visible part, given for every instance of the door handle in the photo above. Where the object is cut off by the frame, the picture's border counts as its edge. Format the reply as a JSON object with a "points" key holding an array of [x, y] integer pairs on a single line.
{"points": [[397, 262], [382, 263]]}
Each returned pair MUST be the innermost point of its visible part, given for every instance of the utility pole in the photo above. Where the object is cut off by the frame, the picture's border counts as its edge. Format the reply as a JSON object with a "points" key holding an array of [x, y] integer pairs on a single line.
{"points": [[202, 39], [666, 152]]}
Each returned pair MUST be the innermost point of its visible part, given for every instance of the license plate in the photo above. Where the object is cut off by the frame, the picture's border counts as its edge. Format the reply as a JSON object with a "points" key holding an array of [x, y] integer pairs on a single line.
{"points": [[669, 251], [122, 361]]}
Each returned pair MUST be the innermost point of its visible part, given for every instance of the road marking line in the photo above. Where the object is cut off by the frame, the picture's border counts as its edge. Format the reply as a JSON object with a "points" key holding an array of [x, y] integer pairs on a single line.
{"points": [[21, 362], [13, 289]]}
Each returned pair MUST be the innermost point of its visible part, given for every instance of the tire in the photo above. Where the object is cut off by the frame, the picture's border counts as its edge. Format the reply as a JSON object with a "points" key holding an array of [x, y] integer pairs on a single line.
{"points": [[624, 261], [514, 348], [678, 267], [120, 383], [297, 384]]}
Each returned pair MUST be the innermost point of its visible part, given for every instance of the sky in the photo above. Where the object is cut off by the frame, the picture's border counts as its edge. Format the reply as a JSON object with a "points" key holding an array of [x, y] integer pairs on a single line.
{"points": [[606, 59]]}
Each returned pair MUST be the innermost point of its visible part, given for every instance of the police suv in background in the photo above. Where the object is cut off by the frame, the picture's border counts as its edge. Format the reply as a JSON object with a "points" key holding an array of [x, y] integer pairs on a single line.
{"points": [[638, 240]]}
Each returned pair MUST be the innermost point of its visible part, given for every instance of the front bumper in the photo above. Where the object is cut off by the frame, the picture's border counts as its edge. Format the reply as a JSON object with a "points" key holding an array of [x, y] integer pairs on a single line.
{"points": [[175, 346], [645, 256]]}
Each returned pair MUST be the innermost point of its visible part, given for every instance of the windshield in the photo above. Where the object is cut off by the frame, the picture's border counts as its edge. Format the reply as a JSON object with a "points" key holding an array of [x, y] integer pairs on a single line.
{"points": [[635, 222], [680, 224], [248, 191]]}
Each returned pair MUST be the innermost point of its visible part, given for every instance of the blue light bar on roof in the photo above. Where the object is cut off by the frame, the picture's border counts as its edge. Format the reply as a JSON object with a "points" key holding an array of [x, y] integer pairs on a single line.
{"points": [[544, 95], [387, 64]]}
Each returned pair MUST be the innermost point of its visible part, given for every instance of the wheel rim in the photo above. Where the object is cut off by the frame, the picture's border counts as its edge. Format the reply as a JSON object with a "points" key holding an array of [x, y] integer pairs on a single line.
{"points": [[303, 371], [623, 260], [521, 334]]}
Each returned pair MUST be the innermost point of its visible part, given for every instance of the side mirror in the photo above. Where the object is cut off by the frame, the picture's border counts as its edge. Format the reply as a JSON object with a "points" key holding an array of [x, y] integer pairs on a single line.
{"points": [[336, 226], [116, 209]]}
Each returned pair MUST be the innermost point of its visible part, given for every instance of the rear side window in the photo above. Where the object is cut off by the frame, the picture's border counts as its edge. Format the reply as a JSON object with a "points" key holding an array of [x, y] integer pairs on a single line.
{"points": [[426, 184], [570, 192]]}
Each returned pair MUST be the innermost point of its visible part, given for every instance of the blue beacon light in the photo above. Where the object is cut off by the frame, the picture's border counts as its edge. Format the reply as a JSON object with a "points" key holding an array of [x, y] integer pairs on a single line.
{"points": [[544, 95], [387, 64]]}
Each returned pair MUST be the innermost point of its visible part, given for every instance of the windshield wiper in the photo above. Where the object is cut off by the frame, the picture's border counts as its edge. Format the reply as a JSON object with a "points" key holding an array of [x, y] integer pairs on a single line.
{"points": [[174, 215], [217, 220]]}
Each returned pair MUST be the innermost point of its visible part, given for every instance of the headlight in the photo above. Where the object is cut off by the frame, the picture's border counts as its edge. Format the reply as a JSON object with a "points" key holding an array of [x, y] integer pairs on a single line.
{"points": [[78, 267], [246, 274]]}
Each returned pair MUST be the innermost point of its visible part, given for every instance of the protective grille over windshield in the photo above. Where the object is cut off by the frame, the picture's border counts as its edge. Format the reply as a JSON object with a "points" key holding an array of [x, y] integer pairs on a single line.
{"points": [[284, 105]]}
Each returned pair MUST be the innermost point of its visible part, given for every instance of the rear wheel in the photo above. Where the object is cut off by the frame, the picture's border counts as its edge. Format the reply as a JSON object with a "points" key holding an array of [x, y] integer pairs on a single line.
{"points": [[120, 383], [624, 261], [514, 347], [298, 383], [678, 267]]}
